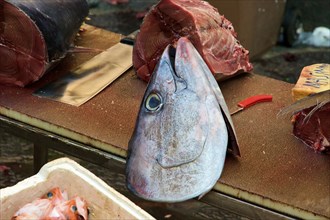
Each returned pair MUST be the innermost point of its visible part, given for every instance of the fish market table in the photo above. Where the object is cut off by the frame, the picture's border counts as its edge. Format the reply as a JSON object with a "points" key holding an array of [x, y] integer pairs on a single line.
{"points": [[275, 177]]}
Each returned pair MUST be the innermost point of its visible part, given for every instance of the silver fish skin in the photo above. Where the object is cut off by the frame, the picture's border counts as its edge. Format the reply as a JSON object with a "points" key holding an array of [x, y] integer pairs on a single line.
{"points": [[178, 148]]}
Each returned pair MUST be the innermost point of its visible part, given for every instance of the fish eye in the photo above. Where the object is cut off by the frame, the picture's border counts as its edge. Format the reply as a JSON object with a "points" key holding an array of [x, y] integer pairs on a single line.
{"points": [[153, 102], [49, 195], [74, 208]]}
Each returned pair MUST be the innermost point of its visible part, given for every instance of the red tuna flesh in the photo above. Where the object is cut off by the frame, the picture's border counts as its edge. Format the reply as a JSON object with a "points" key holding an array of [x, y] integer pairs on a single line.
{"points": [[312, 126], [35, 35], [211, 33]]}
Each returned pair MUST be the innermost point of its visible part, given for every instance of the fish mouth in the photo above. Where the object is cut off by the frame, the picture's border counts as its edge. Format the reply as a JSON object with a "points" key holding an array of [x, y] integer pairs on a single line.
{"points": [[171, 55], [182, 59]]}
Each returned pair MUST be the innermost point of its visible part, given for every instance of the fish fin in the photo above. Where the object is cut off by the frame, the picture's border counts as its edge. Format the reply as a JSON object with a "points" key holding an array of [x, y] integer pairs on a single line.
{"points": [[233, 145]]}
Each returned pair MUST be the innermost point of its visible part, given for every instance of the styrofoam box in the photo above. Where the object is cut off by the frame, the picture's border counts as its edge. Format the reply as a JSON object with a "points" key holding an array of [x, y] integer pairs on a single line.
{"points": [[103, 201]]}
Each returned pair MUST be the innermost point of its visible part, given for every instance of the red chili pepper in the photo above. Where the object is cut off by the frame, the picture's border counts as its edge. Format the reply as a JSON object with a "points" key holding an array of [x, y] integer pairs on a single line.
{"points": [[252, 101]]}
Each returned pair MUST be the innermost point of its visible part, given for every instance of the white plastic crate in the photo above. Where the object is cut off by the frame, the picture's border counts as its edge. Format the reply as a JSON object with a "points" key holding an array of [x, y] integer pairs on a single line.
{"points": [[103, 201]]}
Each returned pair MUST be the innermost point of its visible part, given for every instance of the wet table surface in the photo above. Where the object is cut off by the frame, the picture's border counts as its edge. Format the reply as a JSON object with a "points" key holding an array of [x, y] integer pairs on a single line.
{"points": [[275, 169]]}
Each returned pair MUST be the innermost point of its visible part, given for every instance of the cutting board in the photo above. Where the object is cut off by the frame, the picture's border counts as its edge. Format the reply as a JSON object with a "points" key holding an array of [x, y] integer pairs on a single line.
{"points": [[275, 169]]}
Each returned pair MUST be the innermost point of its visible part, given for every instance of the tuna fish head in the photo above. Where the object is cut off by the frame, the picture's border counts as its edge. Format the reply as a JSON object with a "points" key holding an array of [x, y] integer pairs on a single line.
{"points": [[178, 147]]}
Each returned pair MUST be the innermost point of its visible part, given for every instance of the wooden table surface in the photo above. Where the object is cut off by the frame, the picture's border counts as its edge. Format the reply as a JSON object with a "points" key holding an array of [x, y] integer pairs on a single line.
{"points": [[275, 170]]}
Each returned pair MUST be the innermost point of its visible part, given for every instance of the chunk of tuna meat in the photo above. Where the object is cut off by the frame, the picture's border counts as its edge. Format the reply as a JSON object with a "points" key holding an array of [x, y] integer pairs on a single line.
{"points": [[312, 127], [211, 33], [35, 35]]}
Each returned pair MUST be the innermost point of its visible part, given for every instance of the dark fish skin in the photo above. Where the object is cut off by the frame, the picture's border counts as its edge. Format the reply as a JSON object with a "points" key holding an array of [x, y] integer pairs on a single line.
{"points": [[57, 20], [35, 35], [179, 144]]}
